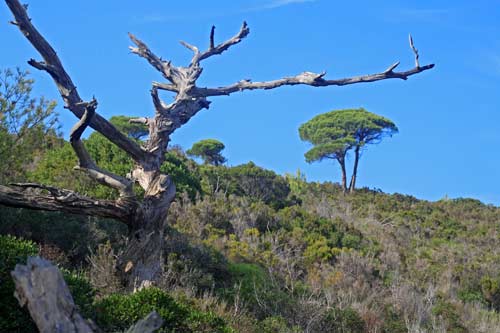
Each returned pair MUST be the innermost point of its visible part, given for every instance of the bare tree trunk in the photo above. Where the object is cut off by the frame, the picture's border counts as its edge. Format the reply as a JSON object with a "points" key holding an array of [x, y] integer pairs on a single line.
{"points": [[352, 185], [41, 286], [142, 259]]}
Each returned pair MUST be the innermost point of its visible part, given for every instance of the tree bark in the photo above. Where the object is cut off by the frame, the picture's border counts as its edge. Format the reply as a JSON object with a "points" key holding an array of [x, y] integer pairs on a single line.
{"points": [[352, 185], [344, 174], [41, 286], [141, 261]]}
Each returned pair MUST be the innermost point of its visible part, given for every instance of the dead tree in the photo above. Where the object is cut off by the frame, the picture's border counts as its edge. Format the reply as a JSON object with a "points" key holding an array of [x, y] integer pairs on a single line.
{"points": [[41, 287], [141, 260]]}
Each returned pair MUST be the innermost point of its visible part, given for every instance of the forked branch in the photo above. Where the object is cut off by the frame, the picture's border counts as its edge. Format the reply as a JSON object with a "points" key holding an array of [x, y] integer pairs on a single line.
{"points": [[86, 164], [67, 89], [165, 67], [216, 49], [316, 79]]}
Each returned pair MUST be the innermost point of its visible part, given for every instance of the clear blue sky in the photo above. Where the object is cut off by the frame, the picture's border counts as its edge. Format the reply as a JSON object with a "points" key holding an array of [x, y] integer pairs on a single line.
{"points": [[448, 117]]}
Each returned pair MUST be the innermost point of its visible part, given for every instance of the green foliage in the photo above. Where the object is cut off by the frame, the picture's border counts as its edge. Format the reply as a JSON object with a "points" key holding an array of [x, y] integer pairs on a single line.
{"points": [[447, 313], [73, 234], [259, 183], [183, 172], [28, 125], [199, 265], [277, 324], [136, 131], [337, 320], [490, 287], [393, 323], [209, 150], [247, 180], [255, 288], [323, 237], [13, 251], [334, 133], [56, 167], [82, 292], [118, 312]]}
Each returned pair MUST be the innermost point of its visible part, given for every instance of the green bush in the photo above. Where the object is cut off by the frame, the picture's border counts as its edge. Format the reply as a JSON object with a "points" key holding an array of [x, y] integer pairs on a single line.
{"points": [[393, 323], [73, 234], [490, 287], [12, 317], [259, 293], [277, 324], [338, 320], [448, 314], [183, 173], [82, 292], [118, 312], [247, 180]]}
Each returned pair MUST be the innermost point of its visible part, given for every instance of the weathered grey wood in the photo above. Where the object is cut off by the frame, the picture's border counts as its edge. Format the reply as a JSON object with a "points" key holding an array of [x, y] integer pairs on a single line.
{"points": [[67, 89], [150, 324], [43, 197], [141, 261], [86, 164], [40, 286]]}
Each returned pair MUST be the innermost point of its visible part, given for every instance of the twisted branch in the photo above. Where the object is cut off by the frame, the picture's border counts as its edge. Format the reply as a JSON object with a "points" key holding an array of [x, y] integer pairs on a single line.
{"points": [[86, 164], [53, 66], [165, 67], [43, 197]]}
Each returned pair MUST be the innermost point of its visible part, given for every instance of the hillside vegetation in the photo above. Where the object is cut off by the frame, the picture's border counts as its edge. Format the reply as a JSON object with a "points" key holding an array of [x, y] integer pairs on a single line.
{"points": [[248, 250]]}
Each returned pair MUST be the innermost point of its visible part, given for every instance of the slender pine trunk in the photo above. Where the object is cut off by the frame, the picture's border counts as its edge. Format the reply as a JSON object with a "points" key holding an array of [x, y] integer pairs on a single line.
{"points": [[344, 177], [352, 185]]}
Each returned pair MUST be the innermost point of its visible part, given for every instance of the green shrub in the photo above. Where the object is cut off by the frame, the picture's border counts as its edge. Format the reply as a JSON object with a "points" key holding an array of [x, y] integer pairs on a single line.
{"points": [[338, 320], [490, 287], [276, 324], [73, 234], [448, 314], [12, 317], [393, 323], [247, 180], [183, 173], [118, 312], [262, 296], [82, 292]]}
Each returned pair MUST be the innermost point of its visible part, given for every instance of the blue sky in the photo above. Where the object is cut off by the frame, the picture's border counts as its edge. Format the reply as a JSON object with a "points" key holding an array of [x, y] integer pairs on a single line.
{"points": [[448, 117]]}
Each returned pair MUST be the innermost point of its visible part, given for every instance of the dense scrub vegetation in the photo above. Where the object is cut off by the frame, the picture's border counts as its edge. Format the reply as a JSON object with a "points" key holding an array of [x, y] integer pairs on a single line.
{"points": [[251, 251], [248, 250]]}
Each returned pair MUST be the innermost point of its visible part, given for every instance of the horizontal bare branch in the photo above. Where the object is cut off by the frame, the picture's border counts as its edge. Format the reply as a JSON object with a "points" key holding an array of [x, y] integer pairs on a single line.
{"points": [[306, 78], [43, 197], [165, 86], [140, 120], [67, 89], [315, 79]]}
